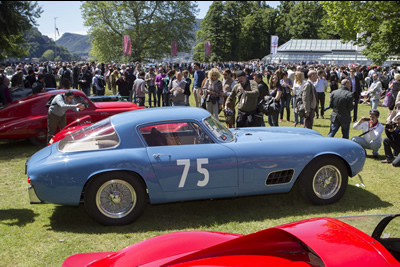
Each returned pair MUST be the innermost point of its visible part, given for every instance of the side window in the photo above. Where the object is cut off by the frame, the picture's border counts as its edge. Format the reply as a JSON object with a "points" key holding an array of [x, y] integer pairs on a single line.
{"points": [[81, 99], [172, 134]]}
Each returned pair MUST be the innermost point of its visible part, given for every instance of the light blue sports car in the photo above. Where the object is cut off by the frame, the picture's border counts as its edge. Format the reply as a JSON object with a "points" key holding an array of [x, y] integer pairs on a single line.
{"points": [[169, 154]]}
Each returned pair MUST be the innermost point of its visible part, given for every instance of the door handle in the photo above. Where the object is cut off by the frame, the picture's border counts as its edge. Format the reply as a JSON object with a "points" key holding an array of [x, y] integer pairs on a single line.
{"points": [[158, 155]]}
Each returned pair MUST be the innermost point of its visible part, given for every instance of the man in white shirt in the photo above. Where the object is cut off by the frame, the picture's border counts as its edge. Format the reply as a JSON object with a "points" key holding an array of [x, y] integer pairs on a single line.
{"points": [[291, 73], [372, 129], [375, 91], [321, 86]]}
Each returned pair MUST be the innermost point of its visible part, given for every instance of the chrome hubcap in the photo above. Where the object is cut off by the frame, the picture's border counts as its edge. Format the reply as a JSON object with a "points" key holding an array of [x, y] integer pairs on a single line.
{"points": [[327, 182], [116, 198]]}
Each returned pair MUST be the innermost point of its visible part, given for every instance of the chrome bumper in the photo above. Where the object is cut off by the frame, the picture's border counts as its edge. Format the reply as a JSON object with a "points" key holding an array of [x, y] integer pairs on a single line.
{"points": [[32, 196]]}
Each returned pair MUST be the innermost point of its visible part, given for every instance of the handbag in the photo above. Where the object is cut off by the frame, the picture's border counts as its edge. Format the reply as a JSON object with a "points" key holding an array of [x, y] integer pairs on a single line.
{"points": [[299, 107], [269, 106], [212, 98], [388, 101]]}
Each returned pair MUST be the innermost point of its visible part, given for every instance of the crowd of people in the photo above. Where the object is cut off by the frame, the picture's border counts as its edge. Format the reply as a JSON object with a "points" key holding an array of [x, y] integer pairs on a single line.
{"points": [[237, 89]]}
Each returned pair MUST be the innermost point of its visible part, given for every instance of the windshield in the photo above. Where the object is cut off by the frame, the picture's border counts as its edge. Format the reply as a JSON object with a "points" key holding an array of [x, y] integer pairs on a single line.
{"points": [[219, 130], [97, 136], [364, 223]]}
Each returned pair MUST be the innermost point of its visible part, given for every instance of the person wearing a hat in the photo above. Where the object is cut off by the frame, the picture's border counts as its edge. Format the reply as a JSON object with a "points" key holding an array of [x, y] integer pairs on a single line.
{"points": [[371, 137], [84, 80], [392, 141], [247, 93]]}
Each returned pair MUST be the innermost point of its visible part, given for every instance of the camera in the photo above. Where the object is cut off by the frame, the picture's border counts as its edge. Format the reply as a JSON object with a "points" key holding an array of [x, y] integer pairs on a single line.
{"points": [[391, 125], [228, 113], [367, 119]]}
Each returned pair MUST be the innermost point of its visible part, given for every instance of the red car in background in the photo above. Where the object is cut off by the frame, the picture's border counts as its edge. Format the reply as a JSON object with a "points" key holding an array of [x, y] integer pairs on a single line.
{"points": [[27, 117]]}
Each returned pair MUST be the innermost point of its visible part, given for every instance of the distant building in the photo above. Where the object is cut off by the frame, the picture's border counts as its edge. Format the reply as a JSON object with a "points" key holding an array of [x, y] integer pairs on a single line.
{"points": [[322, 51]]}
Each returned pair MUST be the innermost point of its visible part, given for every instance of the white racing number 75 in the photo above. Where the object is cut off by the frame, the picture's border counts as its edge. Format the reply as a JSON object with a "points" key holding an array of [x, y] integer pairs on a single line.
{"points": [[200, 169]]}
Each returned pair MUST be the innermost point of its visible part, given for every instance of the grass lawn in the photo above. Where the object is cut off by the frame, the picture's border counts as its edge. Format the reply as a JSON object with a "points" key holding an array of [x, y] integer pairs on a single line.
{"points": [[44, 235]]}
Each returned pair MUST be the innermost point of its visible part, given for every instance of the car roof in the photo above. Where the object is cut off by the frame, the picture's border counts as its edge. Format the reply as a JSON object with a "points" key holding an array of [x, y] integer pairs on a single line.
{"points": [[160, 114]]}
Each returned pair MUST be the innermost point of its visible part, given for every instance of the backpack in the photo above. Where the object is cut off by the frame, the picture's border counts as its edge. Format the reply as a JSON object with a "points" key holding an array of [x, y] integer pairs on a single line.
{"points": [[50, 100], [75, 71], [66, 75], [101, 83]]}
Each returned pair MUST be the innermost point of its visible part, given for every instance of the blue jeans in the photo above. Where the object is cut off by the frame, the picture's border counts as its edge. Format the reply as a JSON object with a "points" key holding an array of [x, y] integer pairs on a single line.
{"points": [[374, 145], [187, 100], [320, 100], [86, 91], [285, 103], [296, 116], [273, 119], [374, 104], [335, 127], [159, 96], [152, 91]]}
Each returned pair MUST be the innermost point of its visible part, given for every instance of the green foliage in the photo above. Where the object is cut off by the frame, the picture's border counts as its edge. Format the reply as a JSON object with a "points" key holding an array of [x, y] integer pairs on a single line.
{"points": [[377, 21], [37, 44], [47, 56], [237, 30], [241, 30], [152, 26], [199, 51], [16, 17], [303, 20], [75, 43]]}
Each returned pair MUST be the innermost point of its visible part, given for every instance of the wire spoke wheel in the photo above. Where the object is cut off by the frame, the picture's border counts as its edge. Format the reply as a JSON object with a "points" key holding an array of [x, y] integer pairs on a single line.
{"points": [[327, 182], [116, 198], [324, 180]]}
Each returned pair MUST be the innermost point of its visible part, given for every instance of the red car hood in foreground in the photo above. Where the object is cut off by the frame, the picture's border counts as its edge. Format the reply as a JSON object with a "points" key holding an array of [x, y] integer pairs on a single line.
{"points": [[313, 242]]}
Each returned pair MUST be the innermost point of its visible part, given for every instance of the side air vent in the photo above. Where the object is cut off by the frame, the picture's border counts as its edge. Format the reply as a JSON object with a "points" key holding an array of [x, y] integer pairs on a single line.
{"points": [[280, 177]]}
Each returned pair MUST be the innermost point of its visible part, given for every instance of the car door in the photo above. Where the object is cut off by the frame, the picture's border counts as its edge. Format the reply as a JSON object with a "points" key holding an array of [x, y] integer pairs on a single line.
{"points": [[188, 163]]}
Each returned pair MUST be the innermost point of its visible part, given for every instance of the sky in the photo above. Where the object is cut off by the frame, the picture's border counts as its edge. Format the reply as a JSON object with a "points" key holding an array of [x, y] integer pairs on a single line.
{"points": [[69, 19]]}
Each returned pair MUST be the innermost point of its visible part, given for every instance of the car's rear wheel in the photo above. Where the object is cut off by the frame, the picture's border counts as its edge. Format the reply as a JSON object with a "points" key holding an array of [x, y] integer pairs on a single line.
{"points": [[324, 180], [115, 198], [38, 140]]}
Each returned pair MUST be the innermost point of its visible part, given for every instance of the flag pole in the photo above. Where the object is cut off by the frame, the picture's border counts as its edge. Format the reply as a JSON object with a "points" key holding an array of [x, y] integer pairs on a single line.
{"points": [[55, 38]]}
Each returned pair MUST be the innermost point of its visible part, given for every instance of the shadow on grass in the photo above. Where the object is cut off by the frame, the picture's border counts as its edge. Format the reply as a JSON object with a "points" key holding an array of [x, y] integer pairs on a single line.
{"points": [[16, 148], [207, 213], [18, 217]]}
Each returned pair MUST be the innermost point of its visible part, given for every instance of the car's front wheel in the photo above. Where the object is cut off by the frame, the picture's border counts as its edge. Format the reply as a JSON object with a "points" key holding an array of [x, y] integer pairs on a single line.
{"points": [[324, 180], [115, 198]]}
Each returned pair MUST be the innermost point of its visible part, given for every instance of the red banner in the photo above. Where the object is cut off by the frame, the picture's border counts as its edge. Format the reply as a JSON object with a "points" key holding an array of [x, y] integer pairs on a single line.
{"points": [[174, 49], [127, 45], [207, 48]]}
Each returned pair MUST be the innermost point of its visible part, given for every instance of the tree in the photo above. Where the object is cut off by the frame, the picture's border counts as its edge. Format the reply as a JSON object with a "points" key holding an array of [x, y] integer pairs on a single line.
{"points": [[16, 17], [152, 26], [303, 20], [256, 33], [212, 30], [377, 21], [199, 53], [48, 55], [223, 26]]}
